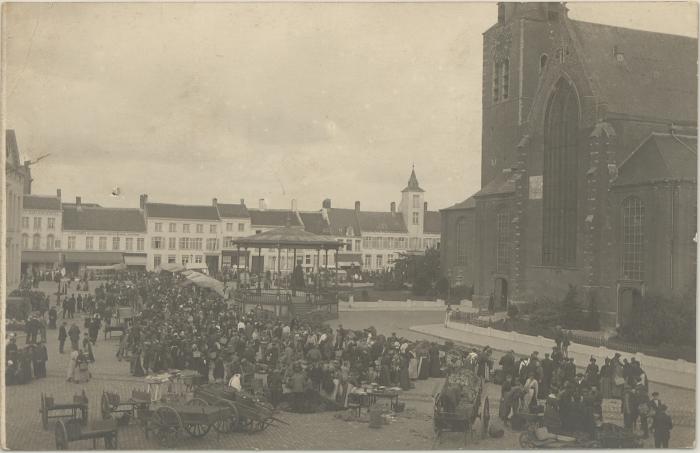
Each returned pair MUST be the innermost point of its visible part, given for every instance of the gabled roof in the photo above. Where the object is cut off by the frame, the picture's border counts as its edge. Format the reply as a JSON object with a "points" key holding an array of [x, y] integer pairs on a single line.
{"points": [[432, 223], [179, 211], [469, 203], [238, 211], [413, 185], [501, 184], [45, 203], [274, 217], [315, 223], [660, 157], [390, 222], [655, 77], [288, 236], [340, 219], [11, 148], [104, 219]]}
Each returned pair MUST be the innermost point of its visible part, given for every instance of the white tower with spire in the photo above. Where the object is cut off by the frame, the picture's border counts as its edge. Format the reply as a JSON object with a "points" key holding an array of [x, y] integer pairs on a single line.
{"points": [[412, 199]]}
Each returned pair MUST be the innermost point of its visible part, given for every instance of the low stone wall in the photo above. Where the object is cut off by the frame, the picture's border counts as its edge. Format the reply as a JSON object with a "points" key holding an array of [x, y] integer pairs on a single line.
{"points": [[393, 305], [673, 372]]}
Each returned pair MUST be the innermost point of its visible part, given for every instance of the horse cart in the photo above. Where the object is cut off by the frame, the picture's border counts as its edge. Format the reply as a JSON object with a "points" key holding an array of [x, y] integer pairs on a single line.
{"points": [[50, 409], [457, 405], [169, 421], [246, 412]]}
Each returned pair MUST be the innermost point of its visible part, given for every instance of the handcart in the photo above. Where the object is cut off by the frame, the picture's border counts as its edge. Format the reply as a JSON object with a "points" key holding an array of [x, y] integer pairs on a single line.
{"points": [[168, 421], [457, 405], [111, 403], [246, 412]]}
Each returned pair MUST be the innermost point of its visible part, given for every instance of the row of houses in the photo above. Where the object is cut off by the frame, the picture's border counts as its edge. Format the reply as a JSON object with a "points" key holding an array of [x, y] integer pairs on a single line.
{"points": [[75, 235]]}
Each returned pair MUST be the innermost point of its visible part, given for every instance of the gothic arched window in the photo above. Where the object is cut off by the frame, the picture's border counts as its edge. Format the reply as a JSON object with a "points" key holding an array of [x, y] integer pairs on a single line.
{"points": [[559, 179], [633, 239], [462, 239]]}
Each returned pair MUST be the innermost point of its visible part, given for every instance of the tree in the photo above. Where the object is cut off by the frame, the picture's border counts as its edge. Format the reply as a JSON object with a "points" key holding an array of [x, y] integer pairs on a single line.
{"points": [[422, 271]]}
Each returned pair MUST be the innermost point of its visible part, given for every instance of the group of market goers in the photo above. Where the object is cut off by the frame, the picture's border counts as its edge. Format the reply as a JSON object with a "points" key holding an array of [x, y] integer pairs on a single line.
{"points": [[185, 327], [573, 401]]}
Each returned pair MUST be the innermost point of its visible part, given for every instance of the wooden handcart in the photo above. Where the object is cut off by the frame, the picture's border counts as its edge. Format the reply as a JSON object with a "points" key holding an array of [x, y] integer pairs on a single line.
{"points": [[50, 409], [246, 412], [111, 404], [169, 421], [72, 430], [457, 406]]}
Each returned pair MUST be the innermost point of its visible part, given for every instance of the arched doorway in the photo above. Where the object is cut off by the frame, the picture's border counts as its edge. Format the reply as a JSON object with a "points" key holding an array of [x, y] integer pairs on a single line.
{"points": [[500, 294]]}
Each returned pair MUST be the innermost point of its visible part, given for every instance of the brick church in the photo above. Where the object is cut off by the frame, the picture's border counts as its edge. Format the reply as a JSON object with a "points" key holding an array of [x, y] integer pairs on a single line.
{"points": [[589, 165]]}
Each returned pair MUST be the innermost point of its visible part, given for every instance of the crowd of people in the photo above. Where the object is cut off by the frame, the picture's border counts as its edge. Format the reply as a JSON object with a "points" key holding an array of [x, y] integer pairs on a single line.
{"points": [[299, 361], [184, 327]]}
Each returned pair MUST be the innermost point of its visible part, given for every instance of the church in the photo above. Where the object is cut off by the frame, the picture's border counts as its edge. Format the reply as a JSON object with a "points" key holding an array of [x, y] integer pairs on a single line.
{"points": [[589, 166]]}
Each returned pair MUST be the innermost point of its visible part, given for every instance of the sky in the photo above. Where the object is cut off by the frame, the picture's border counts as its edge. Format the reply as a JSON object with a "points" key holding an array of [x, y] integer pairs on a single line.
{"points": [[188, 102]]}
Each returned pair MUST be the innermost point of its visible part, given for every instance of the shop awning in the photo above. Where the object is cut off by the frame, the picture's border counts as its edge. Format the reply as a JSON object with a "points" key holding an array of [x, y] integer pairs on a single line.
{"points": [[109, 267], [204, 281], [93, 257], [38, 256], [135, 260], [171, 267], [349, 259]]}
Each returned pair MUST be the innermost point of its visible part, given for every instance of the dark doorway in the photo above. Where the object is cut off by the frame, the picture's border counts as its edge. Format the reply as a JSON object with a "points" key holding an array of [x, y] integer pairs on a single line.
{"points": [[500, 294], [627, 300], [257, 264], [212, 264]]}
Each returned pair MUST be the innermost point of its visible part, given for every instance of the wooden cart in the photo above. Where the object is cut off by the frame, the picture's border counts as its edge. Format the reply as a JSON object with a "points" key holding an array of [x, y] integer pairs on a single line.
{"points": [[111, 403], [168, 421], [457, 406], [246, 412], [72, 430], [50, 409]]}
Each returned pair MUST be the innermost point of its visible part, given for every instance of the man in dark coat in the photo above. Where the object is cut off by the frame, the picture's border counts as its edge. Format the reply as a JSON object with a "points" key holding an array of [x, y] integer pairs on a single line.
{"points": [[547, 370], [40, 356], [662, 426], [53, 316], [62, 335], [507, 363], [74, 335]]}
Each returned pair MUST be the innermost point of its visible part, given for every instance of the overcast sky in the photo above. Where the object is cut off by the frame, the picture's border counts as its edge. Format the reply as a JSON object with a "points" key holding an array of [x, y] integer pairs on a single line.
{"points": [[187, 102]]}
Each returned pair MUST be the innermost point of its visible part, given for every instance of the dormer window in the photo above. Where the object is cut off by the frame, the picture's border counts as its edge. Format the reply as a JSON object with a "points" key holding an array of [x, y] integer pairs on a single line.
{"points": [[349, 231]]}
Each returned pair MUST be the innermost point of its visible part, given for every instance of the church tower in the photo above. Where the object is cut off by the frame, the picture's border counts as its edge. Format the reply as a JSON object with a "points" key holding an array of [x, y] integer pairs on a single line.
{"points": [[516, 52], [412, 209]]}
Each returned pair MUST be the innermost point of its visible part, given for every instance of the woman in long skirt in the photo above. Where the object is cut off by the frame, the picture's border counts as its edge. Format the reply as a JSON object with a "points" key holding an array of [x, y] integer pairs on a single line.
{"points": [[72, 365]]}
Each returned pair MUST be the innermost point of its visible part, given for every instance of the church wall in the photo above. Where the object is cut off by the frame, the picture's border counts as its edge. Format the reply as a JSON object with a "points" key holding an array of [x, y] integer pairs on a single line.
{"points": [[458, 274]]}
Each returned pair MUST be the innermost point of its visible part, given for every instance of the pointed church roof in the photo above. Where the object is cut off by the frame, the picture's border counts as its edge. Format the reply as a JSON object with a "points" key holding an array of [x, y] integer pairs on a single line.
{"points": [[413, 183]]}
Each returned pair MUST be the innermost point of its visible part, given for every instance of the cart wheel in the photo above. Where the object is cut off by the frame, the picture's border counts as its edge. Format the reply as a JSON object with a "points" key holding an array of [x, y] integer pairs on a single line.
{"points": [[485, 418], [105, 407], [61, 436], [168, 425], [197, 402], [227, 425], [197, 430]]}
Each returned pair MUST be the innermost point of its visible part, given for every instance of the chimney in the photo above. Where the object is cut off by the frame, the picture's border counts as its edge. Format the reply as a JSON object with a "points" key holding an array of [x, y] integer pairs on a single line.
{"points": [[262, 204], [393, 207], [58, 193], [78, 203], [243, 201], [425, 206], [143, 199], [215, 202], [357, 207], [294, 205], [326, 203]]}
